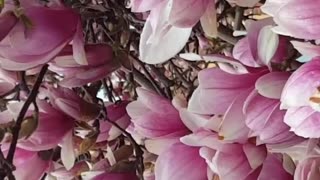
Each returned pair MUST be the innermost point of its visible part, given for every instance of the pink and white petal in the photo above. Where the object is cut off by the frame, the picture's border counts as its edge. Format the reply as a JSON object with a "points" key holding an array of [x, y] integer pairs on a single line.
{"points": [[303, 121], [273, 169], [180, 162], [180, 12], [301, 85], [170, 44], [272, 7], [306, 48], [271, 85], [242, 52], [268, 43], [144, 5], [159, 145], [255, 154], [233, 127], [29, 165], [193, 121], [79, 53], [68, 155], [209, 20], [300, 21]]}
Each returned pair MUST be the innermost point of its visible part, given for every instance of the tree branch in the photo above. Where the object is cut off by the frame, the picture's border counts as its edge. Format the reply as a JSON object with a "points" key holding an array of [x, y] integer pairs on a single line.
{"points": [[31, 98]]}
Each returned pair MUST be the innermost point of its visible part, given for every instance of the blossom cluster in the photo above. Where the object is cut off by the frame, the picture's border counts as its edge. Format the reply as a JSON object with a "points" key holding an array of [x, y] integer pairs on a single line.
{"points": [[251, 112]]}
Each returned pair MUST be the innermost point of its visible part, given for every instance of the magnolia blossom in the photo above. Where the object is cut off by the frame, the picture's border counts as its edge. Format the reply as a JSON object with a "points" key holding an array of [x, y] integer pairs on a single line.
{"points": [[36, 22], [100, 63], [168, 27], [263, 114], [29, 165], [308, 169], [295, 18], [300, 97], [71, 104], [155, 118], [261, 46]]}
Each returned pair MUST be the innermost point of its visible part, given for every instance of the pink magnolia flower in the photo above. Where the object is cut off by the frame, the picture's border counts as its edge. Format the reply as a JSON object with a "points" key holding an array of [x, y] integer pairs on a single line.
{"points": [[235, 161], [308, 169], [63, 25], [51, 128], [100, 63], [180, 161], [300, 96], [71, 104], [263, 114], [155, 118], [295, 18], [29, 165], [60, 172], [168, 27], [261, 46]]}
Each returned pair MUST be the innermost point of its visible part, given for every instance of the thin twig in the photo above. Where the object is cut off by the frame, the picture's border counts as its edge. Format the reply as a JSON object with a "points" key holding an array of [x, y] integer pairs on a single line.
{"points": [[31, 98]]}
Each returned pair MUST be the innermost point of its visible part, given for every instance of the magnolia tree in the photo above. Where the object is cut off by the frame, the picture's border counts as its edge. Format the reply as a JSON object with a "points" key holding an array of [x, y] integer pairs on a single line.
{"points": [[159, 89]]}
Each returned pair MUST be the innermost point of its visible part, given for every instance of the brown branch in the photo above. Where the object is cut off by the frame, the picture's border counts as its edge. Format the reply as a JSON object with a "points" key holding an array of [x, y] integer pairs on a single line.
{"points": [[238, 18], [31, 98]]}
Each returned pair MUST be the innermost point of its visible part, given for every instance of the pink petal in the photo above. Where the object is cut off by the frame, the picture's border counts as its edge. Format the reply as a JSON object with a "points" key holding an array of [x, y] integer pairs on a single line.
{"points": [[300, 19], [143, 5], [242, 52], [271, 85], [273, 169], [304, 121], [301, 85], [233, 127], [68, 156], [28, 165], [7, 21], [217, 89], [180, 162], [307, 49], [78, 46], [116, 176], [180, 13]]}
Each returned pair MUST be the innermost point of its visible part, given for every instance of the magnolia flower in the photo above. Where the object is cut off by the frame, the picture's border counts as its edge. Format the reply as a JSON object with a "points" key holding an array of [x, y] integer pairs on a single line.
{"points": [[37, 21], [29, 165], [71, 104], [308, 169], [154, 117], [168, 27], [261, 46], [42, 133], [294, 18], [100, 63], [300, 97], [235, 161], [263, 114]]}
